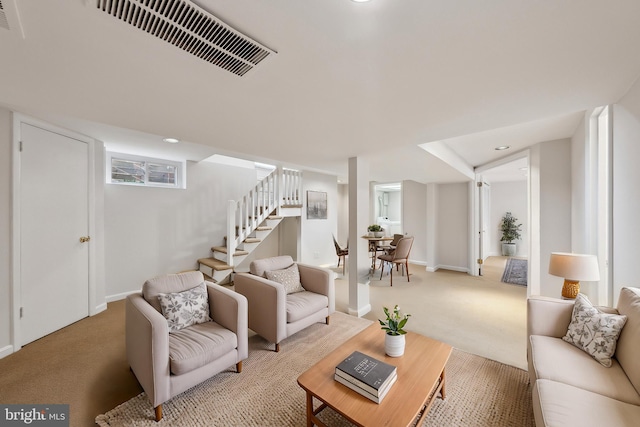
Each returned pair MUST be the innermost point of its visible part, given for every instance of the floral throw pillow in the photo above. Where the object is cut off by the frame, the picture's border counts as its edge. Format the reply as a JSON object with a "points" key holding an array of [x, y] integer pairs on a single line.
{"points": [[182, 309], [289, 277], [594, 331]]}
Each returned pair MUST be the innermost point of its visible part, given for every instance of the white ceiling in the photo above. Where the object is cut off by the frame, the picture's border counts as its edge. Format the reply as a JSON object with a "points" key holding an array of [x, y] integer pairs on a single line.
{"points": [[349, 79]]}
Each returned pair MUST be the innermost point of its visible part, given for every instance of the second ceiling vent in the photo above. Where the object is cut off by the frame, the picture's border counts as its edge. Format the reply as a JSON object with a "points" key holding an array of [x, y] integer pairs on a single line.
{"points": [[191, 29]]}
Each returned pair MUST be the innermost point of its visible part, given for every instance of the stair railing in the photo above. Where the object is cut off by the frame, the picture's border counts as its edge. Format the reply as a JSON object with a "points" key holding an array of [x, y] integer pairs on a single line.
{"points": [[245, 215], [291, 188]]}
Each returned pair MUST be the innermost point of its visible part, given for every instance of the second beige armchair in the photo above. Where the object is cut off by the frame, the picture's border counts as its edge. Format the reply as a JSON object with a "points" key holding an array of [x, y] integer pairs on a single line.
{"points": [[279, 309]]}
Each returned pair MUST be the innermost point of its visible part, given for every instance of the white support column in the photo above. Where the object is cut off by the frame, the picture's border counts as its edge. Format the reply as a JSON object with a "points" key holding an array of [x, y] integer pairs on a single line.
{"points": [[359, 262]]}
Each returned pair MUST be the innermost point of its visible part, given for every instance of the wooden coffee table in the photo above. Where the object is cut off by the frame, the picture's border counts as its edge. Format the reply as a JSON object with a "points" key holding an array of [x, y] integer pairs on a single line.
{"points": [[420, 378]]}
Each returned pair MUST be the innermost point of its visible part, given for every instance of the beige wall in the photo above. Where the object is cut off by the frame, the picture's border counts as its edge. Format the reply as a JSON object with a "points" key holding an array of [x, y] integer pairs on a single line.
{"points": [[414, 218], [452, 240], [626, 191], [551, 212]]}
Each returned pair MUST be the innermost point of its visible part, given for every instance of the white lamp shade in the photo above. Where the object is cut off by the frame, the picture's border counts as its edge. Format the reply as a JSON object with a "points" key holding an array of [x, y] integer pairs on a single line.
{"points": [[577, 267]]}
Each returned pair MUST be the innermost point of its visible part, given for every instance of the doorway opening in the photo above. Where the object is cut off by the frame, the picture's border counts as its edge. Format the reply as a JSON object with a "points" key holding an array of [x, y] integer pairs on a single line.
{"points": [[502, 191], [387, 207]]}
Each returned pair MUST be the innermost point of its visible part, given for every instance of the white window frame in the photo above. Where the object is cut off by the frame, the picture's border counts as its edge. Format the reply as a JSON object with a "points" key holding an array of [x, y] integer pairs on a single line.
{"points": [[181, 182]]}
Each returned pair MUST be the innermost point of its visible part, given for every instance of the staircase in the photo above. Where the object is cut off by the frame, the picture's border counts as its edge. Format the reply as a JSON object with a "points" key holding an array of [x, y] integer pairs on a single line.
{"points": [[251, 219]]}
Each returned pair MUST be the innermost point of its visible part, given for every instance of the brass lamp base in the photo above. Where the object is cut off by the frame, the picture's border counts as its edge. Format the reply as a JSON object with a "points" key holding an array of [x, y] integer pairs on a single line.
{"points": [[570, 289]]}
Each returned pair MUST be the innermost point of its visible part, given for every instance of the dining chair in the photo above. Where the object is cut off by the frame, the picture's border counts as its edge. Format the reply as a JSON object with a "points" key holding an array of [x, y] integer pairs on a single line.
{"points": [[342, 253], [400, 256], [388, 249]]}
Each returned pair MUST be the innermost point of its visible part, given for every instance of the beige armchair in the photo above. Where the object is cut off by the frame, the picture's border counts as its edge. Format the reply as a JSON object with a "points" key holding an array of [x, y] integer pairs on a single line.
{"points": [[276, 315], [168, 363]]}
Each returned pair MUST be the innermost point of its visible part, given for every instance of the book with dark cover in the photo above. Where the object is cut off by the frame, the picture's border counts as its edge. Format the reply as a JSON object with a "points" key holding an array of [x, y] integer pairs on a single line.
{"points": [[376, 398], [366, 372]]}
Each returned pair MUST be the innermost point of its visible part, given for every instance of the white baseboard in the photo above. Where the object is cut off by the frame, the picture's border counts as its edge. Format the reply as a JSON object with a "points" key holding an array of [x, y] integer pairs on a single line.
{"points": [[100, 308], [422, 263], [447, 267], [361, 311], [5, 351], [118, 297]]}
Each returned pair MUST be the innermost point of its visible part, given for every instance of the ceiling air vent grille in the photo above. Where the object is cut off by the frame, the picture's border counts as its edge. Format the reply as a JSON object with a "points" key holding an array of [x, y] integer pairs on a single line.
{"points": [[4, 23], [191, 29]]}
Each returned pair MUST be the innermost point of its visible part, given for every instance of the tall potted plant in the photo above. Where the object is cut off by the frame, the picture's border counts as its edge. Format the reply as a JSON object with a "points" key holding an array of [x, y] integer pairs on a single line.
{"points": [[510, 232]]}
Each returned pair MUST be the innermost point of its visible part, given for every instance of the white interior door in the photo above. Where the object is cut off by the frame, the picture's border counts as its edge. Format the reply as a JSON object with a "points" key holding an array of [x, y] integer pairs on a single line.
{"points": [[54, 263], [484, 200]]}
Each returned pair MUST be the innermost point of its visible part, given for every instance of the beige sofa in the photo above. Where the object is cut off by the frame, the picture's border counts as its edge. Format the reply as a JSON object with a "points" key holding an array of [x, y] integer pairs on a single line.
{"points": [[273, 313], [569, 387]]}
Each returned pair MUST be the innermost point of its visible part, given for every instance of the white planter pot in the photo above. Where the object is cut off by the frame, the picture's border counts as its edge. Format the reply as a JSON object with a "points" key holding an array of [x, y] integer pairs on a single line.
{"points": [[509, 249], [378, 233], [394, 345]]}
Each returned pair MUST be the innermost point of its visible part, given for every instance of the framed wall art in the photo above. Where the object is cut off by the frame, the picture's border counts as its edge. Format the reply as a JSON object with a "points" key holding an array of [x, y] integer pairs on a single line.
{"points": [[316, 205]]}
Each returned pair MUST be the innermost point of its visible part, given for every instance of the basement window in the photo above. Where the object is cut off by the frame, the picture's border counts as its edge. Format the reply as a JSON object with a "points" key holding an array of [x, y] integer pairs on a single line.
{"points": [[127, 169]]}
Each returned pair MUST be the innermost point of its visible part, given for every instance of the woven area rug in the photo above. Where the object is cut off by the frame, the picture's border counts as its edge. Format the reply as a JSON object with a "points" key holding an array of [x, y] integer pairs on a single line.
{"points": [[515, 272], [480, 392]]}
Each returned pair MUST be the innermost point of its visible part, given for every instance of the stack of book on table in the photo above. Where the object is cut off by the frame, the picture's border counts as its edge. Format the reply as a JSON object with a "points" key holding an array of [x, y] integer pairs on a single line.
{"points": [[370, 377]]}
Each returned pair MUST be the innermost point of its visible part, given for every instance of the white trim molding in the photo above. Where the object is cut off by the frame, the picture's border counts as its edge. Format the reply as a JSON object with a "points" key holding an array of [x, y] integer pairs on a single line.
{"points": [[118, 297], [447, 267], [360, 312], [6, 351]]}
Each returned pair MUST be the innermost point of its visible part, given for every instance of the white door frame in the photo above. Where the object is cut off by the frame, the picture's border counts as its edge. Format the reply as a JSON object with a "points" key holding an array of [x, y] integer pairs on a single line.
{"points": [[16, 278], [533, 287]]}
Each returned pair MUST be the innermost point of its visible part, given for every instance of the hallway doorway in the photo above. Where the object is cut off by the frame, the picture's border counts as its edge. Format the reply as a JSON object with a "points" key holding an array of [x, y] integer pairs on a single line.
{"points": [[502, 187]]}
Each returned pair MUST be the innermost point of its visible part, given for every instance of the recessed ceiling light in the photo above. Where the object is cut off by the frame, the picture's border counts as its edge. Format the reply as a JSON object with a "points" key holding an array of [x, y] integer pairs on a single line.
{"points": [[502, 147], [171, 140]]}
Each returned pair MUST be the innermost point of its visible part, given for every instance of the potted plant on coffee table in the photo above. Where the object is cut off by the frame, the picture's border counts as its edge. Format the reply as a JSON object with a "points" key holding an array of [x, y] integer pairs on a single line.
{"points": [[394, 341], [510, 232]]}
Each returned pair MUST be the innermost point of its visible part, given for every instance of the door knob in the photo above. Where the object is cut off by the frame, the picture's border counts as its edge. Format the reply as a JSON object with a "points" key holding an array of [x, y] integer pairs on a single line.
{"points": [[85, 239]]}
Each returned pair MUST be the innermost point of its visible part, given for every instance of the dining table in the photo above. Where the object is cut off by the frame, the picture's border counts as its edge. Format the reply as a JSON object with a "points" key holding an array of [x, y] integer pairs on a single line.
{"points": [[374, 247]]}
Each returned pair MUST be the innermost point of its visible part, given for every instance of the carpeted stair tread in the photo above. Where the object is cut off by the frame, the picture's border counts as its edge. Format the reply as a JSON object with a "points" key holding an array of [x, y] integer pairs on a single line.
{"points": [[252, 240], [264, 228], [274, 217], [214, 263], [224, 251]]}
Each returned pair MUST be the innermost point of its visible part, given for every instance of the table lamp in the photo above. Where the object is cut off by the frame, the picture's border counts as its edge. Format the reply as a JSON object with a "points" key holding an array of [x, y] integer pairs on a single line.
{"points": [[573, 268]]}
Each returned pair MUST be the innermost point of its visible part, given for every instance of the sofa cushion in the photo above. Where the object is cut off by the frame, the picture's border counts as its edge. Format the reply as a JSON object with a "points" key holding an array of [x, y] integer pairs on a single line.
{"points": [[593, 331], [199, 345], [289, 277], [169, 283], [628, 350], [557, 360], [303, 304], [259, 266], [186, 308], [562, 405]]}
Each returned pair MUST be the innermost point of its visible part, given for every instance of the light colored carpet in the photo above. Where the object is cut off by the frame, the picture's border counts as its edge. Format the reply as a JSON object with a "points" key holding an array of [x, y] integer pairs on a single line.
{"points": [[479, 315], [480, 392]]}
